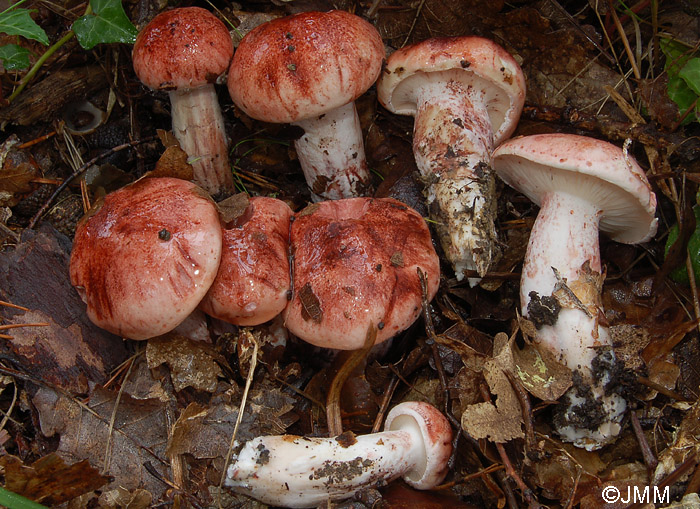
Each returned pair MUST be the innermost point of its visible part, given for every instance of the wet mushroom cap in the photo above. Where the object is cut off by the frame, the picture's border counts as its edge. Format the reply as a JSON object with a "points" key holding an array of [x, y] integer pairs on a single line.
{"points": [[145, 258], [593, 169], [473, 61], [300, 66], [182, 48], [355, 262], [253, 279]]}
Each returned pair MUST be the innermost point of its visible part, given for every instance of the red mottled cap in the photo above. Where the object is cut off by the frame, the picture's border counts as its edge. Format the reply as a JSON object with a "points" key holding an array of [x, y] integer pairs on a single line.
{"points": [[253, 279], [182, 48], [145, 259], [473, 60], [436, 435], [301, 66], [355, 263]]}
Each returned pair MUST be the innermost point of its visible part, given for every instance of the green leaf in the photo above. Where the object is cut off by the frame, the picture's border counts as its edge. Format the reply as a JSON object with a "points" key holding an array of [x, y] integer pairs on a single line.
{"points": [[19, 22], [691, 74], [684, 97], [108, 23], [14, 57]]}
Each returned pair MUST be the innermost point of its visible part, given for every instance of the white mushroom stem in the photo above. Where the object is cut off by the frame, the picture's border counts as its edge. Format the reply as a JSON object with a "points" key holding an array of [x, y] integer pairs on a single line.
{"points": [[198, 126], [452, 143], [332, 154], [293, 471], [562, 253]]}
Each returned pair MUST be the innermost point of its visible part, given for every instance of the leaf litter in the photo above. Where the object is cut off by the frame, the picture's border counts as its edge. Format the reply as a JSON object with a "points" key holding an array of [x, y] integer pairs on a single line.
{"points": [[154, 422]]}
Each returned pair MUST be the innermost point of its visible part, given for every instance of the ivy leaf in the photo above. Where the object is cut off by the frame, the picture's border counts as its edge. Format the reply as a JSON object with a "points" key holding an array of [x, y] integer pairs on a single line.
{"points": [[684, 97], [19, 22], [107, 23], [14, 57], [691, 74]]}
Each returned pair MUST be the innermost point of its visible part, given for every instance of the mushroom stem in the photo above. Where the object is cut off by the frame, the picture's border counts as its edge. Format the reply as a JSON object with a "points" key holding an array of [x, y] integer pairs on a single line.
{"points": [[198, 126], [563, 261], [452, 143], [332, 154], [294, 471]]}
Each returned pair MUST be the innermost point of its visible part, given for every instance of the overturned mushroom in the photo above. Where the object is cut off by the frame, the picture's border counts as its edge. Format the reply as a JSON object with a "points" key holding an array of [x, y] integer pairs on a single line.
{"points": [[355, 264], [253, 279], [145, 257], [183, 51], [294, 471], [582, 185], [466, 94], [307, 70]]}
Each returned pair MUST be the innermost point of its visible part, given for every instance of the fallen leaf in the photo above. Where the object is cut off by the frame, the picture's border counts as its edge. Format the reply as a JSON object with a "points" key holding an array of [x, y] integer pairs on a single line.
{"points": [[17, 170], [49, 480], [139, 435], [192, 363]]}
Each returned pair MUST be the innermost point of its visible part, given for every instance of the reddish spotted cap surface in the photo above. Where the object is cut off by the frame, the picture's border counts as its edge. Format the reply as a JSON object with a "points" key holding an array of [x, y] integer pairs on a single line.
{"points": [[253, 279], [146, 257], [182, 48], [301, 66], [355, 263]]}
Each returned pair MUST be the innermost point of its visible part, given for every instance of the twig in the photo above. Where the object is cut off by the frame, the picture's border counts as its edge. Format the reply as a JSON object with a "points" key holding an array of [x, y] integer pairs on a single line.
{"points": [[112, 419], [625, 42], [79, 171], [15, 306], [239, 418], [415, 20], [333, 415], [647, 453]]}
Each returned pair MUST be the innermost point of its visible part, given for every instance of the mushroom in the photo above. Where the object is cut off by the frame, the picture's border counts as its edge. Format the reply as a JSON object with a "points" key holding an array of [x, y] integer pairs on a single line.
{"points": [[355, 264], [466, 94], [294, 471], [145, 256], [183, 51], [307, 70], [582, 185], [253, 279]]}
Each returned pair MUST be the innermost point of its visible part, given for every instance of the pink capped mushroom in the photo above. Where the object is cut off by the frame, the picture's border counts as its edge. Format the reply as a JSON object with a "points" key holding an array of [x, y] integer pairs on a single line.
{"points": [[294, 471], [253, 279], [307, 70], [183, 51], [145, 257], [466, 94], [355, 263], [582, 185]]}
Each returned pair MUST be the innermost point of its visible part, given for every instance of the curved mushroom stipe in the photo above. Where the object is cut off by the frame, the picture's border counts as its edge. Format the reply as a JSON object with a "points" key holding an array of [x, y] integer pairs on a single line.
{"points": [[294, 471]]}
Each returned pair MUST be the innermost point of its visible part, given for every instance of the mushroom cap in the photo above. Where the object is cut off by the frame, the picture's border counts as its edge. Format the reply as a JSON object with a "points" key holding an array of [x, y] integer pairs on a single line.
{"points": [[297, 67], [144, 259], [586, 167], [355, 263], [253, 279], [182, 48], [474, 61], [436, 436]]}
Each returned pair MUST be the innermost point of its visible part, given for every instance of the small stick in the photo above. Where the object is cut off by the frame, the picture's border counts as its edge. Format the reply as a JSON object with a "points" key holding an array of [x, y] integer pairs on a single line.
{"points": [[10, 305], [647, 453], [16, 325], [79, 171]]}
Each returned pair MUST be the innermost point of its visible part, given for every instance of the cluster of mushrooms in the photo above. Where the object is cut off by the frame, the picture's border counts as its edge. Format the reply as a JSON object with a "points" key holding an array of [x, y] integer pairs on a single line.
{"points": [[348, 262]]}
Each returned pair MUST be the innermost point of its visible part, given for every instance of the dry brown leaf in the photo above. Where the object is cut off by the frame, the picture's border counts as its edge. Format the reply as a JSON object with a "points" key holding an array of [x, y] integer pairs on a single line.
{"points": [[503, 421], [541, 374], [233, 207], [173, 163], [139, 435], [17, 169], [192, 363], [49, 480], [121, 498], [686, 443]]}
